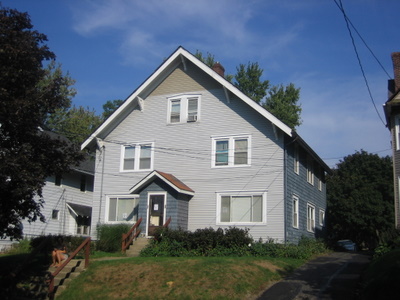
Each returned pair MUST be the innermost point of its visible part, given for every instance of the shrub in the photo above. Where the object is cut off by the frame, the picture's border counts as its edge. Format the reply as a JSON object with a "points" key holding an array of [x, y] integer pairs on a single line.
{"points": [[110, 237], [23, 246]]}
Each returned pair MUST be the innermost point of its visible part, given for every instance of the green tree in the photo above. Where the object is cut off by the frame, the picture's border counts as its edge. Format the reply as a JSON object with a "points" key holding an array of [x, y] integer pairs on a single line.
{"points": [[110, 106], [28, 93], [248, 80], [360, 198], [282, 103], [76, 123]]}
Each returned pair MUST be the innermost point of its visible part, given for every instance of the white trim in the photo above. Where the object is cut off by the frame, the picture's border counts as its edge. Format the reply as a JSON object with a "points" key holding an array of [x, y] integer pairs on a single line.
{"points": [[184, 108], [231, 150], [137, 146], [297, 199], [148, 208], [312, 229], [262, 193], [179, 53], [397, 131], [107, 208], [321, 219]]}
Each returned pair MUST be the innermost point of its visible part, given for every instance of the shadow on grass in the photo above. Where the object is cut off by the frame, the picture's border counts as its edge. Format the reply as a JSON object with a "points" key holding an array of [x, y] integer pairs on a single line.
{"points": [[27, 282]]}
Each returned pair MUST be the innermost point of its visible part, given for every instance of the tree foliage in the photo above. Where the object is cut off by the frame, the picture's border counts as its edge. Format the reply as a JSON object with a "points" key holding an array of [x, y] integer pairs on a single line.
{"points": [[360, 198], [110, 106], [28, 93], [76, 123], [281, 101]]}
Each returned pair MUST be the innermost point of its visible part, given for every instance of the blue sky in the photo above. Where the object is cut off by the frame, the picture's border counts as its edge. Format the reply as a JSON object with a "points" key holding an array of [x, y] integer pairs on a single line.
{"points": [[111, 46]]}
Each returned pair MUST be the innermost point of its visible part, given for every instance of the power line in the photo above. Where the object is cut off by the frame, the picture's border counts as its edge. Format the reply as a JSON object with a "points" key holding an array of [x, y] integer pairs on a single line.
{"points": [[358, 57]]}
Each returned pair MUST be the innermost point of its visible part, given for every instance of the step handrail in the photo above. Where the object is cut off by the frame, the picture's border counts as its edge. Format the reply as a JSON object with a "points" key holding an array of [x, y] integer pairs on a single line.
{"points": [[127, 238], [86, 244]]}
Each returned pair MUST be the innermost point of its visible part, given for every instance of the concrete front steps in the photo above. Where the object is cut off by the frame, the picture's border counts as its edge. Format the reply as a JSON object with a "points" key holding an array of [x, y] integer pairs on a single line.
{"points": [[137, 246], [72, 270]]}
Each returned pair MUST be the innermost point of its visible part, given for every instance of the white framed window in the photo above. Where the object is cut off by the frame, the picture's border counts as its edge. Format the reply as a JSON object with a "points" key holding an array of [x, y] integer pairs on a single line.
{"points": [[310, 218], [310, 170], [137, 157], [296, 160], [184, 109], [241, 208], [322, 217], [295, 211], [397, 132], [233, 151], [319, 178], [55, 214], [122, 209]]}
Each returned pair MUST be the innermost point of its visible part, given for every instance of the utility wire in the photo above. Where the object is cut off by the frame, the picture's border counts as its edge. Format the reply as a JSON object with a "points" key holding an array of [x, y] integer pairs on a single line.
{"points": [[362, 39], [358, 58]]}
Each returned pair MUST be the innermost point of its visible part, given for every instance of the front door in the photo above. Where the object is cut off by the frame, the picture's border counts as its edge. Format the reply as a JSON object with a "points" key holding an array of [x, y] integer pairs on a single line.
{"points": [[156, 212]]}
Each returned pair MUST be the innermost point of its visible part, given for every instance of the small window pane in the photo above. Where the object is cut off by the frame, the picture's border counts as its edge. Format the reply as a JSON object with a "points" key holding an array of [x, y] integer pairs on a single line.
{"points": [[225, 209], [241, 152], [175, 111], [221, 153], [145, 157], [129, 158], [55, 214], [192, 109], [112, 210], [257, 208]]}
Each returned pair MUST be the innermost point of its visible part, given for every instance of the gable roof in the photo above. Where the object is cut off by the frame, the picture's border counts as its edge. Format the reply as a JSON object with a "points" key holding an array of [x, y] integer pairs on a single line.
{"points": [[169, 179], [180, 56]]}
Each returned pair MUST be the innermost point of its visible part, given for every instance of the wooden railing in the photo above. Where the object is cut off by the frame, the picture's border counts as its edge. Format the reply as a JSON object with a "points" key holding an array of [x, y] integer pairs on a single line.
{"points": [[167, 223], [133, 233], [86, 244]]}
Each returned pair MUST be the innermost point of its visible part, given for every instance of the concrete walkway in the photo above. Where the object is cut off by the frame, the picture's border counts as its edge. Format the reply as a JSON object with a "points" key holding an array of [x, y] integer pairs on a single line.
{"points": [[333, 276]]}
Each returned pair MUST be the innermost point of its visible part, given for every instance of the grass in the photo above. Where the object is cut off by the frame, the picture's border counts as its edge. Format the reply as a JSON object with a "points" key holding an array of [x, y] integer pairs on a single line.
{"points": [[179, 278]]}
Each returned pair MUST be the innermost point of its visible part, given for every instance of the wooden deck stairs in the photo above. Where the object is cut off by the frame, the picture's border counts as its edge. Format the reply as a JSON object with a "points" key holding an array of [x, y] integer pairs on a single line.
{"points": [[72, 270]]}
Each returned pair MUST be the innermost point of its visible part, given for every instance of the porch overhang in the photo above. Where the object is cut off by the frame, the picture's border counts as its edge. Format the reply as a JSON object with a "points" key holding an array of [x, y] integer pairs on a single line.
{"points": [[169, 179], [80, 210]]}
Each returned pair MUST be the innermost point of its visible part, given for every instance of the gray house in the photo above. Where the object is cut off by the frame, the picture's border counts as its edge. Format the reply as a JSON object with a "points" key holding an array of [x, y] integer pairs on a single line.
{"points": [[189, 146], [392, 113]]}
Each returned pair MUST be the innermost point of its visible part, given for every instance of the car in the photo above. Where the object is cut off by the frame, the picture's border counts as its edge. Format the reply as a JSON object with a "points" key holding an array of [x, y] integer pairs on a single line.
{"points": [[346, 245]]}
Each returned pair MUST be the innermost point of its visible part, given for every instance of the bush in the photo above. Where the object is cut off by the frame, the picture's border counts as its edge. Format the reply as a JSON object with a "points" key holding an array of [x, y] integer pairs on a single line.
{"points": [[110, 237], [23, 246]]}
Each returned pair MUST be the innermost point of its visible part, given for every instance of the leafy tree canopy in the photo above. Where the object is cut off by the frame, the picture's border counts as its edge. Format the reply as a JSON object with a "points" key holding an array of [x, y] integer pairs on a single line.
{"points": [[281, 101], [110, 106], [29, 93], [360, 198]]}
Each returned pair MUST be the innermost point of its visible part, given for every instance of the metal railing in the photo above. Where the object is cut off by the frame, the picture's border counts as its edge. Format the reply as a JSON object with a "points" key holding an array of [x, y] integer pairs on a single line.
{"points": [[86, 244], [133, 233]]}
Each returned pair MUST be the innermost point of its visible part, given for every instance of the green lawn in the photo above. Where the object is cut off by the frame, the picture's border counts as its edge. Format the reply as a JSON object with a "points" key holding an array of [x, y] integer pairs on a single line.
{"points": [[179, 278]]}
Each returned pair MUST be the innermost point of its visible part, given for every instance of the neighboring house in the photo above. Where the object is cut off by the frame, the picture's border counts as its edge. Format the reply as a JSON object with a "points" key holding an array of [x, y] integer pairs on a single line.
{"points": [[392, 113], [68, 204], [189, 146]]}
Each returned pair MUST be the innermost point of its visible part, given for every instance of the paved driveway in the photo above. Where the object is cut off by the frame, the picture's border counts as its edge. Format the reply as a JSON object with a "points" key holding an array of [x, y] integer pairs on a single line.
{"points": [[333, 276]]}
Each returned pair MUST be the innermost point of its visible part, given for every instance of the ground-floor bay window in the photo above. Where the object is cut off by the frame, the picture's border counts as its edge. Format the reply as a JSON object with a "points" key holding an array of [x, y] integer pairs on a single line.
{"points": [[122, 209], [241, 208]]}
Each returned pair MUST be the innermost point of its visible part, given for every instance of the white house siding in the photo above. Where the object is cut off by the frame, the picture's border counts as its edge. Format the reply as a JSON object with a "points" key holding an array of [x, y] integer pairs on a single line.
{"points": [[56, 198], [184, 150]]}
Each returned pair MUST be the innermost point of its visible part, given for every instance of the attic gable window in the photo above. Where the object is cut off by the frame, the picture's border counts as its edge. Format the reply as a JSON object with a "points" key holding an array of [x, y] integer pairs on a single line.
{"points": [[184, 109], [137, 157]]}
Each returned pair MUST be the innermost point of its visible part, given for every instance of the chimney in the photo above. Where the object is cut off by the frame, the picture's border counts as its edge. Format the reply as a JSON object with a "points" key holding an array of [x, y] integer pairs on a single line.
{"points": [[217, 67], [396, 70]]}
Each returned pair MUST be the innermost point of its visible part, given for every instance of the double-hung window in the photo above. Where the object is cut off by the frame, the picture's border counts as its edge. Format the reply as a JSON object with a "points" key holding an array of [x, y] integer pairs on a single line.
{"points": [[310, 171], [184, 109], [122, 209], [231, 151], [310, 218], [322, 217], [137, 157], [397, 132], [296, 160], [295, 209], [241, 208]]}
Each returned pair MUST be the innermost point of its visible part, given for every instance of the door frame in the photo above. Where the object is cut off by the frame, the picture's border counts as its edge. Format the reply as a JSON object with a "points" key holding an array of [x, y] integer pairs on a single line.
{"points": [[149, 194]]}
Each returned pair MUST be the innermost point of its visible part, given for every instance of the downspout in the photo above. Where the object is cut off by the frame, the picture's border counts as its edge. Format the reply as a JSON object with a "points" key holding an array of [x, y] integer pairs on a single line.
{"points": [[103, 157]]}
